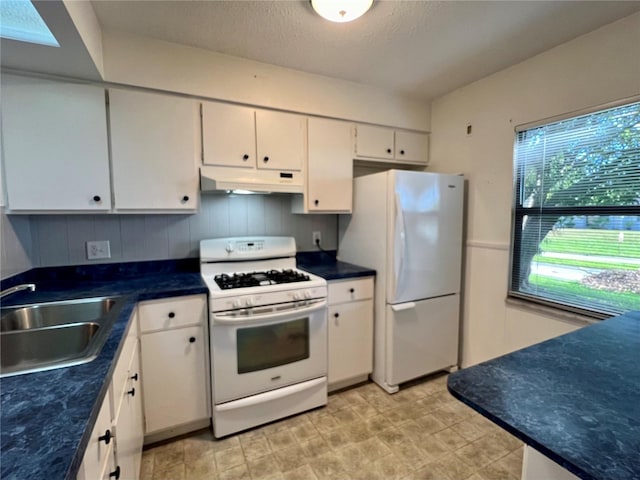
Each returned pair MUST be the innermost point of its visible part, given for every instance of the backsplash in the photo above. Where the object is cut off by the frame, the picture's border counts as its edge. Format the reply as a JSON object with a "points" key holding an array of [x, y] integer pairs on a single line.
{"points": [[16, 244], [61, 239]]}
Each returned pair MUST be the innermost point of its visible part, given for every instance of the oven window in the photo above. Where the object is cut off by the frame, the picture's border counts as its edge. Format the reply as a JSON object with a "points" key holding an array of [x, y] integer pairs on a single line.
{"points": [[270, 346]]}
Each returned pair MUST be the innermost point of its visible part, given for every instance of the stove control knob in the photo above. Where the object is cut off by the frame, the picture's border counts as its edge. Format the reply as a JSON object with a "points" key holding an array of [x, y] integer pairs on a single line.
{"points": [[237, 303], [307, 294], [297, 296], [249, 302], [229, 247]]}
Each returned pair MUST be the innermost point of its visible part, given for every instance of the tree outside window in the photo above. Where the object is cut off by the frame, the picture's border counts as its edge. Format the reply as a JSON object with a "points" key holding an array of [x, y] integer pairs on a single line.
{"points": [[576, 232]]}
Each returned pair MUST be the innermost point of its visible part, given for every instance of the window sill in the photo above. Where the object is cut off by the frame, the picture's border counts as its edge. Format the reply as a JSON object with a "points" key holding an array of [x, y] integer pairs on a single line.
{"points": [[549, 311]]}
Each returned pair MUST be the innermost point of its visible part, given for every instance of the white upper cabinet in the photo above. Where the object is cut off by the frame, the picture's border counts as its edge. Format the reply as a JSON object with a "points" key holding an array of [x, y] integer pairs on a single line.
{"points": [[329, 173], [244, 137], [374, 142], [228, 135], [412, 147], [392, 146], [55, 146], [154, 151], [280, 139]]}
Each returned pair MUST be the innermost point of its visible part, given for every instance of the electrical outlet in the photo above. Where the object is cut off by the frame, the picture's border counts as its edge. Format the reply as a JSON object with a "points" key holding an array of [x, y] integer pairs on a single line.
{"points": [[99, 249], [317, 237]]}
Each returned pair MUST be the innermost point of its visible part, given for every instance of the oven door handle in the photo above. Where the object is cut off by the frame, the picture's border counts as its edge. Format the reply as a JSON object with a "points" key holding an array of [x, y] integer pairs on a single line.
{"points": [[224, 318]]}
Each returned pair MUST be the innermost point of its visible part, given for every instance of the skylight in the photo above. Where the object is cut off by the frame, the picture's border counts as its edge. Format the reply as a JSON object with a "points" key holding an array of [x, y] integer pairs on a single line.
{"points": [[19, 20]]}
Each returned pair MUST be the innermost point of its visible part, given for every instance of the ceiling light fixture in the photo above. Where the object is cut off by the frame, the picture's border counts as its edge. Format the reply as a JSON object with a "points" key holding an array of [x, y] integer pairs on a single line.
{"points": [[341, 11]]}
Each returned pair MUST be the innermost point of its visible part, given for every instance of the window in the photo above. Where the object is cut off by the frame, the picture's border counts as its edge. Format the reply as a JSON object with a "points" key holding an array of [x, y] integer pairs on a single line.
{"points": [[576, 223]]}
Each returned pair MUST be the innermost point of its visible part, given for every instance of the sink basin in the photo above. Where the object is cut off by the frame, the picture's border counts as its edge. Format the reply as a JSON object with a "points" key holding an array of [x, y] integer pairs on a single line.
{"points": [[43, 336]]}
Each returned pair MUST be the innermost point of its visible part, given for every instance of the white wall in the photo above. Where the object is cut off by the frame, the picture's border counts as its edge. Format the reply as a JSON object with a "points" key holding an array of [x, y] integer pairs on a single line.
{"points": [[85, 21], [594, 69], [61, 239], [168, 66]]}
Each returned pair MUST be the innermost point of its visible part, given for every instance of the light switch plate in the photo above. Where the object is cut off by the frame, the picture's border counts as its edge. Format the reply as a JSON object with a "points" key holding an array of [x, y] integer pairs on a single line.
{"points": [[98, 249]]}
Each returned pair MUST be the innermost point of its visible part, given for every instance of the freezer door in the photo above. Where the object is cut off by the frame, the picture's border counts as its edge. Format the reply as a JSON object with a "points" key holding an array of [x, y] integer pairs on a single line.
{"points": [[426, 235], [422, 337]]}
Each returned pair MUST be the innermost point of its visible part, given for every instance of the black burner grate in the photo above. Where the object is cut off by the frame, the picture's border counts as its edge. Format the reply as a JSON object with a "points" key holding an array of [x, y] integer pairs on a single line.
{"points": [[255, 279]]}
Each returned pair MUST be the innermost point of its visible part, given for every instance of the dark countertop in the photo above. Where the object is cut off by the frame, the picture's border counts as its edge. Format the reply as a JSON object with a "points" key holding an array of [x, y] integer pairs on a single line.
{"points": [[574, 398], [47, 417], [325, 265]]}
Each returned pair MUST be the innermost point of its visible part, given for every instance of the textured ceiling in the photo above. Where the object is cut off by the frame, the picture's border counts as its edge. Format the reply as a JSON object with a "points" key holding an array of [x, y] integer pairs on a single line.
{"points": [[418, 48]]}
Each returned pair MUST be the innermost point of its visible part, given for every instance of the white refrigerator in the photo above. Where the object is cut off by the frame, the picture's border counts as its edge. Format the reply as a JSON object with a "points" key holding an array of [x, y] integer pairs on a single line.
{"points": [[407, 225]]}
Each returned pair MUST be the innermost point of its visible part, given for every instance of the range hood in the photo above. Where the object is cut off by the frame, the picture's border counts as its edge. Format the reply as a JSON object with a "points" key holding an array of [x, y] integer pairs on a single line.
{"points": [[226, 179]]}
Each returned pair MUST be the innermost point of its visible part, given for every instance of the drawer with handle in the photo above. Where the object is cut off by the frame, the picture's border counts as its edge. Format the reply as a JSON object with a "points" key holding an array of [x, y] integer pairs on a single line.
{"points": [[171, 313], [350, 290]]}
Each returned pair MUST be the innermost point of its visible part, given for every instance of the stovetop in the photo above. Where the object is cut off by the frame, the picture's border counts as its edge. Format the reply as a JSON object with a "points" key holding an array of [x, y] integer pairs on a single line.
{"points": [[243, 272], [255, 279]]}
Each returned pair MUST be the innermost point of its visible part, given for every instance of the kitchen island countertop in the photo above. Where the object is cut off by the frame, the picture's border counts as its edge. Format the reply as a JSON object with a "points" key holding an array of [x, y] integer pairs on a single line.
{"points": [[574, 398]]}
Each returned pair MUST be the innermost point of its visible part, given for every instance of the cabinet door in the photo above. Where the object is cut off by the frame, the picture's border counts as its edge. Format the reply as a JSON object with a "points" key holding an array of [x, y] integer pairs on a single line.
{"points": [[374, 142], [330, 166], [280, 140], [174, 377], [129, 428], [412, 147], [96, 456], [55, 145], [228, 135], [350, 340], [154, 151]]}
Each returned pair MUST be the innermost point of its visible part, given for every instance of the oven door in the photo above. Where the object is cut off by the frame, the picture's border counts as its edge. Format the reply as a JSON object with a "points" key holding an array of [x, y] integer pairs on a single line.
{"points": [[260, 349]]}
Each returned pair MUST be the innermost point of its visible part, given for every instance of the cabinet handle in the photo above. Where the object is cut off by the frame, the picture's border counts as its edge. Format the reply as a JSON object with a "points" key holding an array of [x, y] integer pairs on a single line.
{"points": [[388, 150], [134, 377], [106, 438], [185, 198], [316, 202], [171, 315], [115, 473], [265, 159], [351, 290], [132, 392], [401, 152], [245, 157], [192, 339], [336, 314], [96, 198]]}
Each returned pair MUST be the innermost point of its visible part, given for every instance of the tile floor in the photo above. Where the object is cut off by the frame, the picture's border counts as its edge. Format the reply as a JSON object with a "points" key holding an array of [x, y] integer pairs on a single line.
{"points": [[419, 433]]}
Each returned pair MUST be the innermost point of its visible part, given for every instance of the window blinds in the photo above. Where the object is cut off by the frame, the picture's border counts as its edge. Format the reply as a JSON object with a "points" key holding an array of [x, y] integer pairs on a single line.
{"points": [[576, 231]]}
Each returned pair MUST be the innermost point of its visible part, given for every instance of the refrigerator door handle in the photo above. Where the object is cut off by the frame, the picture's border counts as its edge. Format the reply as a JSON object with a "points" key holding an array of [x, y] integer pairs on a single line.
{"points": [[403, 306], [400, 243]]}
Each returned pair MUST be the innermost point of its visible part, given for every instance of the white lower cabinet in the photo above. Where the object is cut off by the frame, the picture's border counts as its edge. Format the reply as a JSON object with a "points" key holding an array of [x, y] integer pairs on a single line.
{"points": [[115, 444], [175, 370], [129, 424], [100, 447], [350, 331]]}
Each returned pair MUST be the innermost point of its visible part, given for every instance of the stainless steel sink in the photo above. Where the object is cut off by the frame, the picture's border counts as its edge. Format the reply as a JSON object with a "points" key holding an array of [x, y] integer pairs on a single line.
{"points": [[43, 336]]}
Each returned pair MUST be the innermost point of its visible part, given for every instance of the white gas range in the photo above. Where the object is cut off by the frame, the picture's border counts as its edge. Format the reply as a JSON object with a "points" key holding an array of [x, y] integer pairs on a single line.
{"points": [[268, 331]]}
